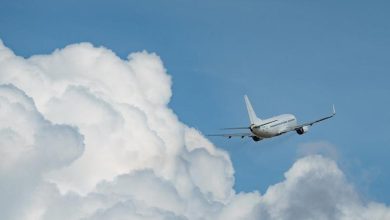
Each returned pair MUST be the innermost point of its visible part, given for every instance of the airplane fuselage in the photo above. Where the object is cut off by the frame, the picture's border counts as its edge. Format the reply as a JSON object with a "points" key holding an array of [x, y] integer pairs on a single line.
{"points": [[271, 127], [274, 126]]}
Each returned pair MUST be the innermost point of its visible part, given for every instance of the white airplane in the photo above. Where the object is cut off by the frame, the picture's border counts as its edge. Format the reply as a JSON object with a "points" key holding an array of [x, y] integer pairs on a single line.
{"points": [[271, 127]]}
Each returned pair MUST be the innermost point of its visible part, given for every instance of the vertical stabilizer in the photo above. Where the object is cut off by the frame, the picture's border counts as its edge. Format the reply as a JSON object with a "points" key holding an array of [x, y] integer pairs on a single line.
{"points": [[252, 115]]}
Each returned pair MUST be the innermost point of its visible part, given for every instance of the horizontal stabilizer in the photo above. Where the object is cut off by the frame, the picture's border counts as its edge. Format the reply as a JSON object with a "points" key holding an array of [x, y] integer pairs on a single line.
{"points": [[242, 135], [236, 128]]}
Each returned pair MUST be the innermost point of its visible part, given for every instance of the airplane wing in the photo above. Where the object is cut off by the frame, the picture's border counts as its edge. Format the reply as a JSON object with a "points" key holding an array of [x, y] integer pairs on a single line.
{"points": [[312, 122], [242, 135]]}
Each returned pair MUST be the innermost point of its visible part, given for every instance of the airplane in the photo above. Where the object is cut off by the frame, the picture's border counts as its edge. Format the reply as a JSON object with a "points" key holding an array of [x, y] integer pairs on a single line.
{"points": [[260, 129]]}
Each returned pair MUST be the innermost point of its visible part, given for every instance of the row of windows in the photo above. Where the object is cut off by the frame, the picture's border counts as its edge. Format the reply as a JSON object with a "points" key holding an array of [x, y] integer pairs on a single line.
{"points": [[284, 122]]}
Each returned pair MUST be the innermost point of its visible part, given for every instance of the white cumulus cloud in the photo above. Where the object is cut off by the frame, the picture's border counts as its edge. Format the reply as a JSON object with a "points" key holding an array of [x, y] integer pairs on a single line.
{"points": [[85, 134], [30, 146], [315, 188]]}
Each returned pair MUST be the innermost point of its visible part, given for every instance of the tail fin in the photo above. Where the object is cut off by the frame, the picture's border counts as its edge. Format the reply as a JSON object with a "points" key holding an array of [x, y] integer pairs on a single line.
{"points": [[252, 115]]}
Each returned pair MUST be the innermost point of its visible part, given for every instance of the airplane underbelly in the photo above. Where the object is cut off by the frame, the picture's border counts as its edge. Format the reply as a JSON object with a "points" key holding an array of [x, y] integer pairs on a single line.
{"points": [[265, 133]]}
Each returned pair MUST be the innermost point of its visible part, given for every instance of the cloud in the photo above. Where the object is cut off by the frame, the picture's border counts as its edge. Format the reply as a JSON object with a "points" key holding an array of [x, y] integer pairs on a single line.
{"points": [[319, 147], [87, 135], [315, 188], [29, 147]]}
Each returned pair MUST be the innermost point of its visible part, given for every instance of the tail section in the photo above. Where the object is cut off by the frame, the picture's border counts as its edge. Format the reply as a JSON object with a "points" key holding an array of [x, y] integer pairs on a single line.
{"points": [[252, 115]]}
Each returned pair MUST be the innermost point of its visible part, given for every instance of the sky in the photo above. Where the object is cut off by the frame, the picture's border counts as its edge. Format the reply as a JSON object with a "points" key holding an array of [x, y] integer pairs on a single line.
{"points": [[288, 57]]}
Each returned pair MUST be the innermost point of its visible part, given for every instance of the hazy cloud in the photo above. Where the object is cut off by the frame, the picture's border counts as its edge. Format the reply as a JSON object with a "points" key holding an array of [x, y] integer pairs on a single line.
{"points": [[319, 147]]}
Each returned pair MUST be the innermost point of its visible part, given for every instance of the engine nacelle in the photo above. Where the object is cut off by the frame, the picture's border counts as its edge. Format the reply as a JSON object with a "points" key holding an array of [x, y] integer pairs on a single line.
{"points": [[302, 130]]}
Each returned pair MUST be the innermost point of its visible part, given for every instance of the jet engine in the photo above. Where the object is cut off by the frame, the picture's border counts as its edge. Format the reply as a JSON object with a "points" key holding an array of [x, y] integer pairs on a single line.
{"points": [[302, 130]]}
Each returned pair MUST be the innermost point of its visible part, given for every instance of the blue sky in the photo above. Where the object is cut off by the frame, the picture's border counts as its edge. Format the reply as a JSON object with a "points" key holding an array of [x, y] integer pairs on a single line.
{"points": [[288, 57]]}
